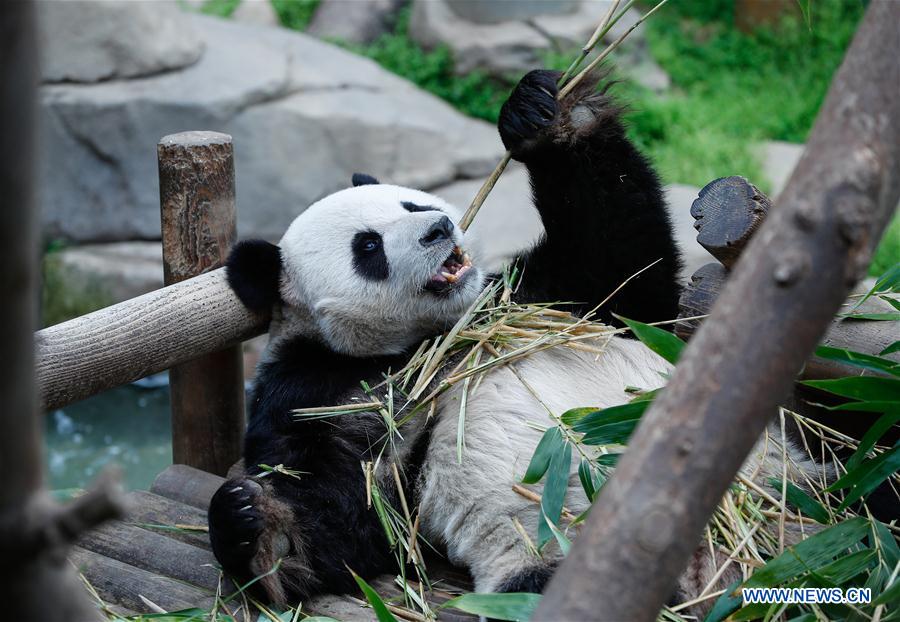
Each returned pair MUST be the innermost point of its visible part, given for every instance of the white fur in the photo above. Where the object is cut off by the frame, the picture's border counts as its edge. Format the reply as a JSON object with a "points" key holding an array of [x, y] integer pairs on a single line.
{"points": [[324, 296]]}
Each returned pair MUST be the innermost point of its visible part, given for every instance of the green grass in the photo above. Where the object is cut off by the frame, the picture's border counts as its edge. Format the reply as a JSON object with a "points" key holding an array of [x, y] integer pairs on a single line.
{"points": [[219, 8], [295, 14], [888, 252], [474, 94]]}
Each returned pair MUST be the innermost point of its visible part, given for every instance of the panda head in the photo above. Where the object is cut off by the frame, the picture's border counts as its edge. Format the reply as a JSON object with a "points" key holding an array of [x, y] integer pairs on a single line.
{"points": [[369, 270]]}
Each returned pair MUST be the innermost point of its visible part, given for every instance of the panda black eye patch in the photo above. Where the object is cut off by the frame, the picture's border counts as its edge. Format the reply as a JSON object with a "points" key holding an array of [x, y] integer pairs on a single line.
{"points": [[369, 259], [412, 207]]}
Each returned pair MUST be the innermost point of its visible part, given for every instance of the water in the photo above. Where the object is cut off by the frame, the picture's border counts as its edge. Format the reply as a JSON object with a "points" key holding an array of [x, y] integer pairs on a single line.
{"points": [[129, 426]]}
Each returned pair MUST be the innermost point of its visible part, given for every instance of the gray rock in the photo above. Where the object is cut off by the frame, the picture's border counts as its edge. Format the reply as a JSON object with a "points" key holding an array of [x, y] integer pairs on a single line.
{"points": [[92, 40], [518, 45], [124, 269], [778, 160], [495, 11], [256, 12], [304, 116], [356, 21]]}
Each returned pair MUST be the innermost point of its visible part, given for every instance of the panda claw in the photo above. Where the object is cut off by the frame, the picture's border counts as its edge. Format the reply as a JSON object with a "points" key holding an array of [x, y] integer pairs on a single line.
{"points": [[236, 489]]}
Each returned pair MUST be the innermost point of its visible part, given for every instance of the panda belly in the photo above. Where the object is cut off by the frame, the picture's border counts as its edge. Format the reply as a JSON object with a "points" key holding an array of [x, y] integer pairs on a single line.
{"points": [[469, 504]]}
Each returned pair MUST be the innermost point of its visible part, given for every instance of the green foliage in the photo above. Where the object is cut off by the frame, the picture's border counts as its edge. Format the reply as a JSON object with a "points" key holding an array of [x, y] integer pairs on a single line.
{"points": [[888, 251], [62, 298], [475, 93], [295, 14], [515, 607], [661, 341], [219, 8]]}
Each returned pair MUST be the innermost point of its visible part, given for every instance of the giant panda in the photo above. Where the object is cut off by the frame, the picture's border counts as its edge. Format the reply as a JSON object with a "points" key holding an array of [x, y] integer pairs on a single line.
{"points": [[361, 277]]}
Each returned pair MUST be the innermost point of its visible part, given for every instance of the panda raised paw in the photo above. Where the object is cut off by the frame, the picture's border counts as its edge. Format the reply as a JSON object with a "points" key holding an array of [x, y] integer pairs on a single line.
{"points": [[530, 109]]}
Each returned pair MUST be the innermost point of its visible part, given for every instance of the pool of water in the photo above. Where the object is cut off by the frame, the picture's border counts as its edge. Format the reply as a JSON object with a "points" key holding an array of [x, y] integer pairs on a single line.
{"points": [[129, 426]]}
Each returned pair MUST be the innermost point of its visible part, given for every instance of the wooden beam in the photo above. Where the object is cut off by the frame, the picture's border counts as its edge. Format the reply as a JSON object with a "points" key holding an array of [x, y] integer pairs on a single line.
{"points": [[781, 297], [196, 195], [139, 337]]}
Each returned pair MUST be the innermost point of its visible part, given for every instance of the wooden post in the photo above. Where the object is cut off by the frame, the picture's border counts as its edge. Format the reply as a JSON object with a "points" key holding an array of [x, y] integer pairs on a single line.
{"points": [[782, 295], [36, 580], [196, 192]]}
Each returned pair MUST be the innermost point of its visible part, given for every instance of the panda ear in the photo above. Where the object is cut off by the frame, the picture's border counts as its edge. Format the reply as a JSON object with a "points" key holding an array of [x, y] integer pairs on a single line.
{"points": [[361, 179], [254, 271]]}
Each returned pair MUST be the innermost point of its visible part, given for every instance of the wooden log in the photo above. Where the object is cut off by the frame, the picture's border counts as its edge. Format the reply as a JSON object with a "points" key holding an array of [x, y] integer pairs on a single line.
{"points": [[795, 274], [148, 509], [187, 485], [124, 584], [154, 552], [728, 211], [196, 196], [868, 337], [139, 337]]}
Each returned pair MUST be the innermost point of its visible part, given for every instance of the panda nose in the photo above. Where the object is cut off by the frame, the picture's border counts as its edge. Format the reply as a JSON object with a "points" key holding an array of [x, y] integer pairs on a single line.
{"points": [[438, 232]]}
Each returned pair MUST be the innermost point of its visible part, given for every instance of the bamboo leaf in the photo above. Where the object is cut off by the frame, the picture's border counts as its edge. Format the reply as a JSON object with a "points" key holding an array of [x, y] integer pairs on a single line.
{"points": [[889, 282], [382, 613], [894, 347], [726, 604], [664, 343], [872, 436], [554, 493], [540, 460], [842, 570], [564, 543], [630, 411], [880, 317], [514, 607], [573, 416], [810, 554], [878, 469], [864, 388], [886, 406], [587, 481], [858, 359], [798, 498], [611, 434], [891, 594]]}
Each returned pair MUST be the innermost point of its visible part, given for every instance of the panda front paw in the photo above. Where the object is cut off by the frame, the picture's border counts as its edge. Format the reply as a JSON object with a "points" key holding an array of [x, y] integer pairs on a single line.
{"points": [[529, 111], [236, 524]]}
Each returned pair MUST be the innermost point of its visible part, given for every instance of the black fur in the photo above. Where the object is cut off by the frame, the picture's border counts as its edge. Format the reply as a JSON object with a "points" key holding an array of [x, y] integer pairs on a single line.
{"points": [[412, 207], [369, 259], [361, 179], [531, 580], [603, 212], [253, 270], [329, 498], [235, 524], [601, 204]]}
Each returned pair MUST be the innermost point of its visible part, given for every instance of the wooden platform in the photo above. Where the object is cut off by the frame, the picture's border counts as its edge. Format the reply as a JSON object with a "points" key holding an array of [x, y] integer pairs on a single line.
{"points": [[161, 553]]}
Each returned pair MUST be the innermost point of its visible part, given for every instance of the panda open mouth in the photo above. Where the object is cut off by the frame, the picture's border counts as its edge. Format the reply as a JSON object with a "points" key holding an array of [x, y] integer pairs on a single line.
{"points": [[450, 273]]}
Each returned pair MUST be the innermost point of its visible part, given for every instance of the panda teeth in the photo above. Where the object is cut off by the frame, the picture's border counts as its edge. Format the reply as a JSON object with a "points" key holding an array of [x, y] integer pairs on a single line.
{"points": [[451, 278]]}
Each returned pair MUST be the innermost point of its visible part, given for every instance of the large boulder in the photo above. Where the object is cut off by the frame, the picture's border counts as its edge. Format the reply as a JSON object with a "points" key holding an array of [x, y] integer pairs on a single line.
{"points": [[85, 41], [304, 116], [354, 21], [522, 40]]}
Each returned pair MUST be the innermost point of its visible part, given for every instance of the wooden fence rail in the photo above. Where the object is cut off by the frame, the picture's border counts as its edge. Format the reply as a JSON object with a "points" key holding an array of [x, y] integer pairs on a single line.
{"points": [[139, 337]]}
